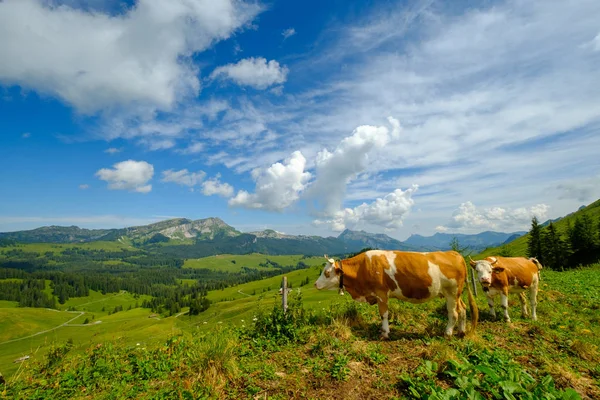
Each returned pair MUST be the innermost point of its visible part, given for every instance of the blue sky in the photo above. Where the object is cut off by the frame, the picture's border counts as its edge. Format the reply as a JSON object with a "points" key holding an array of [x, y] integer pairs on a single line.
{"points": [[305, 117]]}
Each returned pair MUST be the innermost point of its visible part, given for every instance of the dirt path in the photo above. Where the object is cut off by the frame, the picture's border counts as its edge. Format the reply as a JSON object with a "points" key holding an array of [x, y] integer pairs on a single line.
{"points": [[79, 314]]}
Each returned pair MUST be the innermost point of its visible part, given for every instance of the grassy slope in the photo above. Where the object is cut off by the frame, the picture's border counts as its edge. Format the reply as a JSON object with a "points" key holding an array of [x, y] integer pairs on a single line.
{"points": [[224, 262], [518, 247], [342, 358]]}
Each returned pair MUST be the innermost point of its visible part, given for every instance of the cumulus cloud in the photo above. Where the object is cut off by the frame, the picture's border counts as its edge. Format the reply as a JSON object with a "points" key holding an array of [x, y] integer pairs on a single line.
{"points": [[254, 72], [387, 212], [469, 216], [183, 177], [335, 169], [95, 61], [277, 187], [214, 186], [128, 175], [113, 150], [287, 33], [84, 186]]}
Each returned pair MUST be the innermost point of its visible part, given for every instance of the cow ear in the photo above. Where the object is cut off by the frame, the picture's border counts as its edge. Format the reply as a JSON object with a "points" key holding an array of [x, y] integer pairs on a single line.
{"points": [[497, 270]]}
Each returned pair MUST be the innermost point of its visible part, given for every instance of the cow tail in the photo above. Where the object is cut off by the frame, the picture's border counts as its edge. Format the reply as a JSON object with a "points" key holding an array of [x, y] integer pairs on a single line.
{"points": [[538, 265], [472, 303]]}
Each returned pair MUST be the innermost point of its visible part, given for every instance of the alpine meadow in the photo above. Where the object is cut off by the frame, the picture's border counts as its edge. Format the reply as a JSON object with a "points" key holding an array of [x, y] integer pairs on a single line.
{"points": [[250, 199]]}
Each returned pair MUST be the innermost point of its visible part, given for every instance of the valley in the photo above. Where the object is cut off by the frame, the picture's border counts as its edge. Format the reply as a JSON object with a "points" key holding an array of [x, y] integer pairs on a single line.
{"points": [[140, 292]]}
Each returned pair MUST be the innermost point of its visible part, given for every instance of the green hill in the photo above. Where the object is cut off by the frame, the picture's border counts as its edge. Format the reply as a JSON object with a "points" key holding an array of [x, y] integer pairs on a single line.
{"points": [[518, 247], [327, 347]]}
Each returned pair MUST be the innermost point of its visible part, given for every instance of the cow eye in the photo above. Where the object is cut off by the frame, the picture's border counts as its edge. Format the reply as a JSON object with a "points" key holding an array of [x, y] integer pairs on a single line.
{"points": [[326, 274]]}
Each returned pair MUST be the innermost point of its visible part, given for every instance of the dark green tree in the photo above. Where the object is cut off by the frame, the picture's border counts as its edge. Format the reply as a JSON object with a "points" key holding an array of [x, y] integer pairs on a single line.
{"points": [[554, 248], [582, 239], [534, 242]]}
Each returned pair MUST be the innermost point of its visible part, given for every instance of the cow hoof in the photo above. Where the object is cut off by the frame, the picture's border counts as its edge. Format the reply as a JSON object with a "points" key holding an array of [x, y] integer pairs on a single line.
{"points": [[384, 337], [461, 334]]}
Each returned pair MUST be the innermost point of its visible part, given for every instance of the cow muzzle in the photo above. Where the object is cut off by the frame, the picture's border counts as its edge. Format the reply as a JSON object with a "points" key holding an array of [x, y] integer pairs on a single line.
{"points": [[486, 283]]}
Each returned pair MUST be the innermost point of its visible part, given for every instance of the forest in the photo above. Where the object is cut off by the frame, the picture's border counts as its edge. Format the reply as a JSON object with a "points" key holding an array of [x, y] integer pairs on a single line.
{"points": [[76, 271]]}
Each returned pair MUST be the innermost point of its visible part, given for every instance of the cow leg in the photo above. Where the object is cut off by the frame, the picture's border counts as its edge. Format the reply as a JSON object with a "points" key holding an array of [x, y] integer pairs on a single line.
{"points": [[490, 301], [504, 298], [533, 289], [451, 304], [383, 311], [524, 310]]}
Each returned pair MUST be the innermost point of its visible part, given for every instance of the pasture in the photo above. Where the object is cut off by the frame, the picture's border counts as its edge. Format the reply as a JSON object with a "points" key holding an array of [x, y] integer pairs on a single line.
{"points": [[235, 263], [331, 349]]}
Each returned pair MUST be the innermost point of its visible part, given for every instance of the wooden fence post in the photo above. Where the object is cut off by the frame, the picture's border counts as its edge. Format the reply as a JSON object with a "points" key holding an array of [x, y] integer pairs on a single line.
{"points": [[284, 295], [473, 282]]}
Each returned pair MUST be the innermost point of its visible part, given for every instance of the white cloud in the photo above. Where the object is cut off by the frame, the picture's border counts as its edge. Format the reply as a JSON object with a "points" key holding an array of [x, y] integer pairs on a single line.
{"points": [[192, 148], [26, 135], [287, 33], [157, 143], [335, 170], [490, 96], [468, 216], [277, 187], [95, 61], [128, 175], [254, 72], [214, 186], [113, 150], [387, 212], [183, 177], [84, 186]]}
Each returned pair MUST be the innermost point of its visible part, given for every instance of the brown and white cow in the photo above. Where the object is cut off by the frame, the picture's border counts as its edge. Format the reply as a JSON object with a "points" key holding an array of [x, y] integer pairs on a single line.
{"points": [[504, 275], [376, 275]]}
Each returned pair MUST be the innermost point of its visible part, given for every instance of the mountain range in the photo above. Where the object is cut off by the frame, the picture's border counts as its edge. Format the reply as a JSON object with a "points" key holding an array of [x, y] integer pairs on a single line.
{"points": [[198, 238]]}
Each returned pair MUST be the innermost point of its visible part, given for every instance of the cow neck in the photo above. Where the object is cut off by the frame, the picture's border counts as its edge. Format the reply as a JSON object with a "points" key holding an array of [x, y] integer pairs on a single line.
{"points": [[348, 268]]}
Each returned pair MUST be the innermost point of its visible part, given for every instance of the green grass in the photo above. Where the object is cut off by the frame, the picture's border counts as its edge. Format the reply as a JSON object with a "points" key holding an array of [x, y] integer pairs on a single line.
{"points": [[331, 353], [20, 322], [96, 301], [234, 263], [335, 351], [8, 304], [127, 327]]}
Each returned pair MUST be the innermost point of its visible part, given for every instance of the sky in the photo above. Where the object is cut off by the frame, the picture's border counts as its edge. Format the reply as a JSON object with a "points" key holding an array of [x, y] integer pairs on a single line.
{"points": [[307, 117]]}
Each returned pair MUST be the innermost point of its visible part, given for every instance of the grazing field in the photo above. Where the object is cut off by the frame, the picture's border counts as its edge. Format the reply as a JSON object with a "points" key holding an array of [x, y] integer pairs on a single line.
{"points": [[328, 347], [235, 263]]}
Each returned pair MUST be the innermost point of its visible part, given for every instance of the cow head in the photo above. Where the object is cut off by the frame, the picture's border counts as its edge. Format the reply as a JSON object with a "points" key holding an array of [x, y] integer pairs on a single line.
{"points": [[485, 269], [330, 276]]}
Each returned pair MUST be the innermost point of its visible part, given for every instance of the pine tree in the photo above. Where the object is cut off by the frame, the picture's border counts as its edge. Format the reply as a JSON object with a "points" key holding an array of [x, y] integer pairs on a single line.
{"points": [[582, 239], [554, 248], [534, 242]]}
